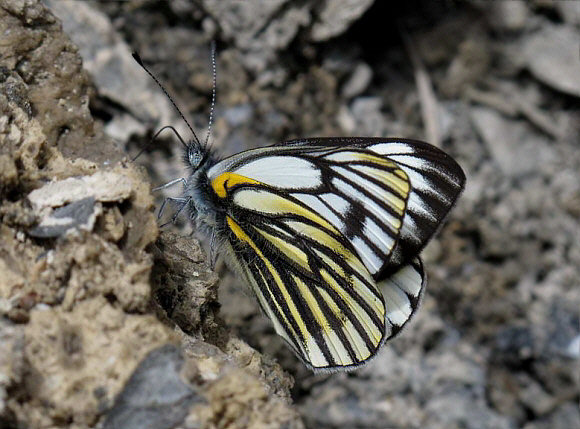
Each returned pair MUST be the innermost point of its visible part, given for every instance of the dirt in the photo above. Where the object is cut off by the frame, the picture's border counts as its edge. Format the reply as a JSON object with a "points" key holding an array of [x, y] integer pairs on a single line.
{"points": [[104, 316]]}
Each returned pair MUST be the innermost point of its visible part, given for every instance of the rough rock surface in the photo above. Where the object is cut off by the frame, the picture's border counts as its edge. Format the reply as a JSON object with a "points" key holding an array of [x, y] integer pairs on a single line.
{"points": [[103, 303], [85, 340]]}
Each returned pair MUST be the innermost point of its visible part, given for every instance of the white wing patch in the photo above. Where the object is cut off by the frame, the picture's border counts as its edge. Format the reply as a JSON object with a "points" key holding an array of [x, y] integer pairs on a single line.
{"points": [[391, 148], [314, 203], [370, 205], [425, 166], [382, 176], [378, 192], [402, 291], [337, 203], [418, 180], [419, 206], [398, 306], [408, 279], [371, 260], [377, 232], [284, 172], [436, 182], [342, 156], [384, 241]]}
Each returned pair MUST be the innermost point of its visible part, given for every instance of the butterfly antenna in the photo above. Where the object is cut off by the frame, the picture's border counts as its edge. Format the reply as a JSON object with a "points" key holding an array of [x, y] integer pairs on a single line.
{"points": [[137, 58], [155, 138], [213, 92]]}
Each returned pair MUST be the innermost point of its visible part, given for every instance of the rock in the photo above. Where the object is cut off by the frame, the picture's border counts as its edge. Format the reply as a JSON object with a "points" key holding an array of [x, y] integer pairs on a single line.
{"points": [[468, 66], [462, 410], [334, 17], [183, 285], [81, 214], [513, 146], [552, 57], [105, 186], [536, 399], [11, 367], [367, 113], [358, 81], [108, 59], [156, 396], [238, 115], [8, 171], [569, 11], [511, 16], [565, 416], [53, 82], [261, 28]]}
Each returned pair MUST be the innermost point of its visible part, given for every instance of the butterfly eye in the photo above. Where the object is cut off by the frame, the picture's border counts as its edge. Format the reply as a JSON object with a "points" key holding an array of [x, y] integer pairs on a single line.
{"points": [[194, 157]]}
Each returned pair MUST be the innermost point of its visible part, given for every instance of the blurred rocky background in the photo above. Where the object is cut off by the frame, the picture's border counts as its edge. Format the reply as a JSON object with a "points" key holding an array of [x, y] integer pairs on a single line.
{"points": [[106, 322]]}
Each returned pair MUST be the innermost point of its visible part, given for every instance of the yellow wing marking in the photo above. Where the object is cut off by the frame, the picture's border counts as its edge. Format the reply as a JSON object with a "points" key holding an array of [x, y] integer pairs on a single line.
{"points": [[337, 350], [397, 178], [270, 203], [379, 308], [358, 344], [321, 236], [341, 355], [240, 234], [222, 184], [397, 204], [277, 323], [398, 184], [362, 289], [292, 252], [374, 159]]}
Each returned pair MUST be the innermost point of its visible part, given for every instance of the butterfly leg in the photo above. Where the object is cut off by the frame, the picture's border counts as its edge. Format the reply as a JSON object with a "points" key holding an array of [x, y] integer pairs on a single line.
{"points": [[171, 183], [213, 251], [183, 203]]}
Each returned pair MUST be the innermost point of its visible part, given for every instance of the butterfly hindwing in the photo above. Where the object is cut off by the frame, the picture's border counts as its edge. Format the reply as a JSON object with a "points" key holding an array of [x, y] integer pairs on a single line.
{"points": [[329, 310], [402, 291]]}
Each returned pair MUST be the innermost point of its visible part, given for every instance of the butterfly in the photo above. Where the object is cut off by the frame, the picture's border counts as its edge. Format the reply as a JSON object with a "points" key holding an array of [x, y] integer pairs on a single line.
{"points": [[327, 233]]}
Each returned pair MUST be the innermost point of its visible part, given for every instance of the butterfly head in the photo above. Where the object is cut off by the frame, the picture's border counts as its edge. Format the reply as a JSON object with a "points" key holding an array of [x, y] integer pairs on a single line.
{"points": [[194, 155]]}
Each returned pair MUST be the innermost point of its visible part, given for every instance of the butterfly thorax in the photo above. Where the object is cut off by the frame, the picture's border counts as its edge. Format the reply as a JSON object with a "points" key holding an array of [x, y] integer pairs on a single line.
{"points": [[204, 210]]}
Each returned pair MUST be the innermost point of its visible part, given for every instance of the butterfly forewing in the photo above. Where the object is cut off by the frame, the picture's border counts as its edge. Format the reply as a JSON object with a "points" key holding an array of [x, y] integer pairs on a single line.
{"points": [[361, 194]]}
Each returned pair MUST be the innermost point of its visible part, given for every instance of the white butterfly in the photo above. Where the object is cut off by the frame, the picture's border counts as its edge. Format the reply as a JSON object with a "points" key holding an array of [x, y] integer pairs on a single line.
{"points": [[327, 232]]}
